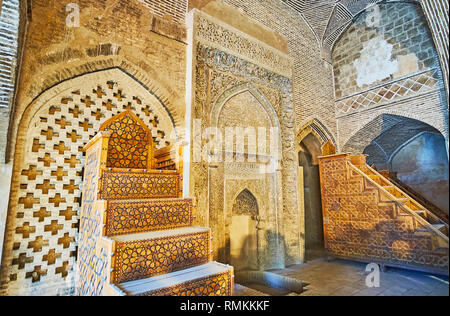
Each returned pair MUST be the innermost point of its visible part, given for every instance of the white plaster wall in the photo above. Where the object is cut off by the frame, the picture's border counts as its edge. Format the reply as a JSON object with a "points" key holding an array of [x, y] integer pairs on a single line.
{"points": [[5, 186], [375, 63]]}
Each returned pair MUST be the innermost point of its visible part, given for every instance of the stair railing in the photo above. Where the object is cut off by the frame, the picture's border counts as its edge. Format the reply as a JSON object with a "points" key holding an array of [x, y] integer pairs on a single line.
{"points": [[410, 199], [416, 216], [435, 210]]}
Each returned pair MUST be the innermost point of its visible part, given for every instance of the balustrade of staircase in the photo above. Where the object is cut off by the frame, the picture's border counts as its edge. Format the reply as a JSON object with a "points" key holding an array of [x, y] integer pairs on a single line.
{"points": [[368, 218]]}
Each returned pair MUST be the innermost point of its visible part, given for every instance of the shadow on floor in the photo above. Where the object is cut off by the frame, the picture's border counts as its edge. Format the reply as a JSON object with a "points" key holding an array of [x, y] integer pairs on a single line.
{"points": [[348, 278], [269, 283]]}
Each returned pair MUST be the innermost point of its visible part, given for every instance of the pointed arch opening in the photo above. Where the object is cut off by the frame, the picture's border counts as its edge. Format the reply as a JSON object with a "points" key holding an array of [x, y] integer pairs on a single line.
{"points": [[411, 152], [49, 160], [244, 232], [310, 148]]}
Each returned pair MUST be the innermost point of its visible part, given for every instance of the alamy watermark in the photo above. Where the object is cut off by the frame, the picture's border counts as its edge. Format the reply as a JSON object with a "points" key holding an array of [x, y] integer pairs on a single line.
{"points": [[373, 18], [373, 278], [237, 144], [73, 17]]}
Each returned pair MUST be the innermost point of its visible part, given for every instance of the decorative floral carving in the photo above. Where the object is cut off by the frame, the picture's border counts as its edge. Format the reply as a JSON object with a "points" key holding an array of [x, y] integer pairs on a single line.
{"points": [[221, 61], [232, 41], [223, 65]]}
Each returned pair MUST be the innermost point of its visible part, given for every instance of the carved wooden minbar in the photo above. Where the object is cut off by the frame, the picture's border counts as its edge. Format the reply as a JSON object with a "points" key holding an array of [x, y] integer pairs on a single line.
{"points": [[136, 229], [367, 218]]}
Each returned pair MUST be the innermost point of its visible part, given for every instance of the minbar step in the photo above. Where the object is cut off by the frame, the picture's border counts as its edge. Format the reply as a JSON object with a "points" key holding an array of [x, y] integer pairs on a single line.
{"points": [[138, 256], [138, 216], [126, 184], [211, 279]]}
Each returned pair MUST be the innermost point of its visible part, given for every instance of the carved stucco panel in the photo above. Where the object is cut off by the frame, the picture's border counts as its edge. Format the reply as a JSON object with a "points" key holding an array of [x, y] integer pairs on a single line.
{"points": [[217, 74], [234, 42]]}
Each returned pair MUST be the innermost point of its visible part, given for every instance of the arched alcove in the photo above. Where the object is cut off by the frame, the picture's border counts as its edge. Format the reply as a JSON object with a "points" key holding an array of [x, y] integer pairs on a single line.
{"points": [[414, 152], [45, 191], [369, 53], [319, 130], [247, 88], [309, 151], [422, 164], [399, 129], [243, 232], [244, 107]]}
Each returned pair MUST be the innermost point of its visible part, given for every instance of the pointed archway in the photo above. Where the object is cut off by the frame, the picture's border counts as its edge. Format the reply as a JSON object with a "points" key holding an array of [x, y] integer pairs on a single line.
{"points": [[243, 232], [48, 165], [310, 149], [413, 151]]}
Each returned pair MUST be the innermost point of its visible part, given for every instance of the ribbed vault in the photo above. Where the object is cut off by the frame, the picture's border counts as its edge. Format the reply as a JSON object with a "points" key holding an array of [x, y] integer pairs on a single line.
{"points": [[329, 18]]}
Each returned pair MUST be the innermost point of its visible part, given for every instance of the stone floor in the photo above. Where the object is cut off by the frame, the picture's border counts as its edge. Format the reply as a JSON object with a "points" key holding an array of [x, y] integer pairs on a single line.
{"points": [[347, 278]]}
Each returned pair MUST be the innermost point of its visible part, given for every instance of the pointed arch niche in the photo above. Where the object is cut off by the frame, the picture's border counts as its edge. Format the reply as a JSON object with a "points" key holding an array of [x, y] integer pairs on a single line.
{"points": [[245, 196], [244, 232], [313, 140], [47, 175]]}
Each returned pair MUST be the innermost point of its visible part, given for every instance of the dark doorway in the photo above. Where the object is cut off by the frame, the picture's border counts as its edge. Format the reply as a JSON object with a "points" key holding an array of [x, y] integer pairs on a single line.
{"points": [[310, 150], [243, 233], [415, 154]]}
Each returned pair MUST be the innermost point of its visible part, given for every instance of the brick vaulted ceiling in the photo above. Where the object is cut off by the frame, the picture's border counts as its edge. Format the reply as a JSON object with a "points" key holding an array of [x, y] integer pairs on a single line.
{"points": [[329, 18]]}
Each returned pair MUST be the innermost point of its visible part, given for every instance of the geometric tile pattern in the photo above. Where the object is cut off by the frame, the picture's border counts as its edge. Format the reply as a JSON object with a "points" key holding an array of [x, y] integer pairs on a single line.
{"points": [[92, 260], [49, 195], [122, 207], [406, 87], [364, 224], [128, 217], [135, 184], [140, 259], [216, 285], [130, 144]]}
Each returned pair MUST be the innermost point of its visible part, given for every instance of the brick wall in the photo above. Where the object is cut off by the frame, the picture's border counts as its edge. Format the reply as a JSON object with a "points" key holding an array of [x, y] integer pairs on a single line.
{"points": [[312, 77], [428, 108], [437, 15], [9, 31], [128, 37], [176, 9], [147, 38], [401, 25], [388, 68], [112, 34]]}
